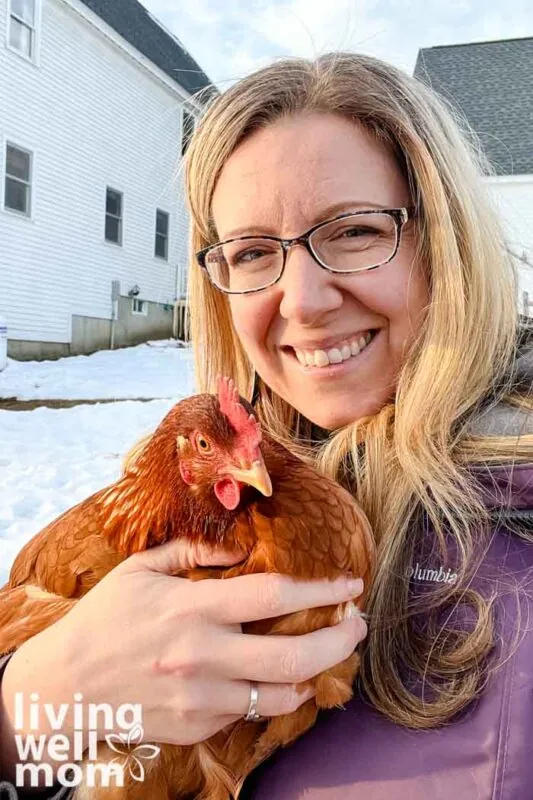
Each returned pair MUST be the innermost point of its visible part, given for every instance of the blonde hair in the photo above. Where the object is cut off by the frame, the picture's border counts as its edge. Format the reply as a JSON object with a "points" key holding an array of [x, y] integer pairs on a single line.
{"points": [[408, 464]]}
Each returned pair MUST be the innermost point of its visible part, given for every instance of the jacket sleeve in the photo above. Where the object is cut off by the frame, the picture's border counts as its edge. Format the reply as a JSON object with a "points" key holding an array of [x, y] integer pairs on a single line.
{"points": [[57, 792]]}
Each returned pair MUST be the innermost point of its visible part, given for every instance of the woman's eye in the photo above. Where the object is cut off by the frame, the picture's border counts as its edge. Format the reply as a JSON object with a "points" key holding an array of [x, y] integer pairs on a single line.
{"points": [[355, 232], [247, 255]]}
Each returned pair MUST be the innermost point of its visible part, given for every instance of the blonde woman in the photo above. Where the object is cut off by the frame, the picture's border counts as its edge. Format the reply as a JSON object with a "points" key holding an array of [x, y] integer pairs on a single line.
{"points": [[351, 274]]}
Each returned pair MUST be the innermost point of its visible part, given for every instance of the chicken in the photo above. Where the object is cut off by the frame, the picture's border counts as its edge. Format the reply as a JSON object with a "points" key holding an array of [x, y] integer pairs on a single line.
{"points": [[208, 474]]}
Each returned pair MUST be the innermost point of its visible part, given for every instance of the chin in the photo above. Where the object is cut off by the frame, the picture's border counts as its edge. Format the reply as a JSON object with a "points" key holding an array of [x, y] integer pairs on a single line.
{"points": [[334, 418], [331, 420]]}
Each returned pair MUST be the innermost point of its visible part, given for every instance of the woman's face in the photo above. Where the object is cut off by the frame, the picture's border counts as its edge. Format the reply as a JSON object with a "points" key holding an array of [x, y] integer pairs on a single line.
{"points": [[281, 181]]}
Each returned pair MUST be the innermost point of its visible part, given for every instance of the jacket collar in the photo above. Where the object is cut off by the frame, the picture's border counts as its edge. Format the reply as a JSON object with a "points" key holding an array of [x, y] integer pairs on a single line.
{"points": [[508, 486]]}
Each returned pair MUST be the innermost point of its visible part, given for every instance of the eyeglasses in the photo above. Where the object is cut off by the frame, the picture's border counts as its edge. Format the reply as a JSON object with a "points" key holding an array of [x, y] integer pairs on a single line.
{"points": [[352, 242]]}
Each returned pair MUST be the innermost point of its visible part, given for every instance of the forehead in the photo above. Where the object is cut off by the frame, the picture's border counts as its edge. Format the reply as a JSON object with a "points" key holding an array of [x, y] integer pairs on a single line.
{"points": [[285, 175]]}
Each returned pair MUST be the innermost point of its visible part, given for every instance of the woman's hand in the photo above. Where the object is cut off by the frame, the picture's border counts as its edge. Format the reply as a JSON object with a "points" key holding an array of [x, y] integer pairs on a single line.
{"points": [[176, 646]]}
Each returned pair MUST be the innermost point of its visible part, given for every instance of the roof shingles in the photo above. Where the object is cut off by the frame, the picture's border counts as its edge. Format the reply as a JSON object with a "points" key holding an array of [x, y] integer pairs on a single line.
{"points": [[491, 83], [134, 23]]}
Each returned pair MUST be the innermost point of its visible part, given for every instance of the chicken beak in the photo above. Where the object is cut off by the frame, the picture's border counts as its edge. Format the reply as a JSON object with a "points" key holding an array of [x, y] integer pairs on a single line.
{"points": [[256, 476]]}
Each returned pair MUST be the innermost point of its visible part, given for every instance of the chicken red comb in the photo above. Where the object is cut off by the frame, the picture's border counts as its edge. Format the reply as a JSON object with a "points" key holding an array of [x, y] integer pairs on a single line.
{"points": [[230, 404]]}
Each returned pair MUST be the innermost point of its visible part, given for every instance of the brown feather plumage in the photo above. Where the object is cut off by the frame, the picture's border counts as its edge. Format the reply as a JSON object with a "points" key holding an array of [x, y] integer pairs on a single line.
{"points": [[310, 528]]}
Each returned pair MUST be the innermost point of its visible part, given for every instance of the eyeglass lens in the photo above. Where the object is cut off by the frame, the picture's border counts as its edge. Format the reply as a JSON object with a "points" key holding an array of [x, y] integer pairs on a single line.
{"points": [[349, 244]]}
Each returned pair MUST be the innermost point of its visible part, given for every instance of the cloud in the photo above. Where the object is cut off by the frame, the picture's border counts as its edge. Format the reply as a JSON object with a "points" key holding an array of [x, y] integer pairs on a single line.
{"points": [[231, 38]]}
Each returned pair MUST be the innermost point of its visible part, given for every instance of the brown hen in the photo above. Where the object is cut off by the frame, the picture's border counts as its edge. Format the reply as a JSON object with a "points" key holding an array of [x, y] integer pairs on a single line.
{"points": [[206, 474]]}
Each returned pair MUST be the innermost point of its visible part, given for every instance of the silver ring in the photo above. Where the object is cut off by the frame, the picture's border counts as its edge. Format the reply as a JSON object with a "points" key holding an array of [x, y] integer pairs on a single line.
{"points": [[252, 715]]}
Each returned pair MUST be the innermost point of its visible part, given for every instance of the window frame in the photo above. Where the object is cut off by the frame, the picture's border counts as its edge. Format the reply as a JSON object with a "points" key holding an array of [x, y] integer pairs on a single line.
{"points": [[144, 305], [10, 141], [107, 214], [158, 234], [34, 57]]}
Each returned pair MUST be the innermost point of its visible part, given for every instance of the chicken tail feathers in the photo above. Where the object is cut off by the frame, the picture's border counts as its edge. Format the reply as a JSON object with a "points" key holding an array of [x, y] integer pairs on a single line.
{"points": [[26, 611]]}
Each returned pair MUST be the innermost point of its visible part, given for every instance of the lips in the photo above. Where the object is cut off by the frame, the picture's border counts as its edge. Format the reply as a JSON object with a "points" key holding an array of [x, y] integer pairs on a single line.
{"points": [[328, 342]]}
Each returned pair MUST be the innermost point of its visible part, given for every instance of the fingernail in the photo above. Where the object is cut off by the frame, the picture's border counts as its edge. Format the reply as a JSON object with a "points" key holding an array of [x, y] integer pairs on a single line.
{"points": [[355, 585], [350, 611]]}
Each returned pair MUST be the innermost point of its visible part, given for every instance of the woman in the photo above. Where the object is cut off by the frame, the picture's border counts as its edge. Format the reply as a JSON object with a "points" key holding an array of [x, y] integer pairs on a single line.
{"points": [[373, 306]]}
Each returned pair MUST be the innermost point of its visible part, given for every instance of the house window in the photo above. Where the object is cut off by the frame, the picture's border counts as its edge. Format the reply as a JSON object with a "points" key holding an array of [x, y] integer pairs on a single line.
{"points": [[139, 306], [22, 26], [113, 216], [161, 234], [187, 129], [17, 188]]}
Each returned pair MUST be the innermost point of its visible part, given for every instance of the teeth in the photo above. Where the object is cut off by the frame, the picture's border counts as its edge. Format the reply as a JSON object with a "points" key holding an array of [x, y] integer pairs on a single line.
{"points": [[334, 355], [346, 352], [300, 355], [321, 358]]}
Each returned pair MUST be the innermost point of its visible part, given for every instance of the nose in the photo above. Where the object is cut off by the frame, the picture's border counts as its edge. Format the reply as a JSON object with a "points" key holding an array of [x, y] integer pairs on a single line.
{"points": [[308, 292]]}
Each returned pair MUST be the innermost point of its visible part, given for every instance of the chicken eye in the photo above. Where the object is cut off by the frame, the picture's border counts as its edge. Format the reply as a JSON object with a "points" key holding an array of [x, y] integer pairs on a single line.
{"points": [[203, 445]]}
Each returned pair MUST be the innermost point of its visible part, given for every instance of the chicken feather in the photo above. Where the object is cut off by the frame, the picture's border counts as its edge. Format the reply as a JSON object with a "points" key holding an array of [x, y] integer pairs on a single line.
{"points": [[309, 528]]}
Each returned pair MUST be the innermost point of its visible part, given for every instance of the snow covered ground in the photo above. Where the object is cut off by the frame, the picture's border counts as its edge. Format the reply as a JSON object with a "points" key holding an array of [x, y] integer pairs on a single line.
{"points": [[50, 459], [155, 369]]}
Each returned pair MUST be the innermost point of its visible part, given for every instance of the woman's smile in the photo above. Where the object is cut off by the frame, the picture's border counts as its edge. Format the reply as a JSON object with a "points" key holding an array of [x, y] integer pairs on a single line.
{"points": [[335, 361]]}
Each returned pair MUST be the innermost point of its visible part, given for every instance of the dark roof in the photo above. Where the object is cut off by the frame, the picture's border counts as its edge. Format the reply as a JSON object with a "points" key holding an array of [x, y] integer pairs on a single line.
{"points": [[492, 85], [134, 23]]}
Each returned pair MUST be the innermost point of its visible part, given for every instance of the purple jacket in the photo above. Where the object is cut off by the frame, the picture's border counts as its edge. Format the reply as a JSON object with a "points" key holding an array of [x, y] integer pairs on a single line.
{"points": [[486, 753]]}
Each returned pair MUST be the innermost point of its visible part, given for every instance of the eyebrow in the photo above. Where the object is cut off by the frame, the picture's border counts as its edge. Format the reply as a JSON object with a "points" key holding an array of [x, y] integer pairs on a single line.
{"points": [[324, 214]]}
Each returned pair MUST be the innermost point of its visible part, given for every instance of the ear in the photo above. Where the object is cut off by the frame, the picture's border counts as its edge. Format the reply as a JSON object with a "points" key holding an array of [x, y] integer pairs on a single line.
{"points": [[186, 474], [182, 443]]}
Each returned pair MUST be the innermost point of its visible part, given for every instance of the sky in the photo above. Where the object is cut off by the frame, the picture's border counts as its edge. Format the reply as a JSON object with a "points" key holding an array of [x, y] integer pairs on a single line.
{"points": [[231, 38]]}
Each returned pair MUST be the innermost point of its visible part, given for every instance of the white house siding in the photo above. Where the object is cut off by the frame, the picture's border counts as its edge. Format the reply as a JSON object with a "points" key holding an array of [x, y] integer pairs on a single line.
{"points": [[514, 198], [93, 117]]}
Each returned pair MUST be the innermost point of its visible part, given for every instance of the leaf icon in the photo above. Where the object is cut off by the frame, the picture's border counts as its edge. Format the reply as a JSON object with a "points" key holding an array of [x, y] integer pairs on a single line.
{"points": [[117, 742], [147, 751], [135, 735], [136, 769], [124, 746]]}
